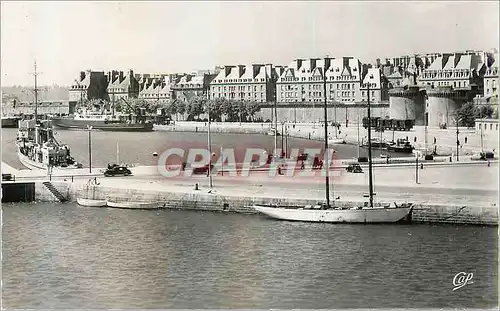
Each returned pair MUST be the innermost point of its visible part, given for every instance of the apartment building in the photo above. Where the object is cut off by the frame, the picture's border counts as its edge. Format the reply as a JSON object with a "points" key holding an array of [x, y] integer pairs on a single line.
{"points": [[152, 88], [190, 85], [121, 85], [458, 70], [303, 80], [491, 76], [378, 86], [89, 85], [254, 82]]}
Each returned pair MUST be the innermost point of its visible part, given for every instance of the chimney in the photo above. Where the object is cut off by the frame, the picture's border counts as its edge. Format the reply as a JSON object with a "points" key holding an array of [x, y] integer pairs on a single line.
{"points": [[299, 63], [378, 62], [120, 76], [241, 70]]}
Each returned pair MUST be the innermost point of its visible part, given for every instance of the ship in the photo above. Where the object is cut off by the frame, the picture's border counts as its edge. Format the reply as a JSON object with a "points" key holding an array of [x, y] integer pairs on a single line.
{"points": [[83, 119], [401, 146], [333, 213], [38, 149], [10, 122]]}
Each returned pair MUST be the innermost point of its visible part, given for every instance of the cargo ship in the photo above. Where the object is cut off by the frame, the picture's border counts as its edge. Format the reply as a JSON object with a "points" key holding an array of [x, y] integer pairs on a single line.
{"points": [[104, 122]]}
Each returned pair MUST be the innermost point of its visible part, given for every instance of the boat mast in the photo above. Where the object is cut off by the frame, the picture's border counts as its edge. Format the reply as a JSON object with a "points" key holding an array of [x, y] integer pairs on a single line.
{"points": [[370, 177], [327, 165], [35, 74]]}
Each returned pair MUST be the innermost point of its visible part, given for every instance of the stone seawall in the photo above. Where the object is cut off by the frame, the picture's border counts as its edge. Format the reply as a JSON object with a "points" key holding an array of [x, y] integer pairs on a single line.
{"points": [[202, 201]]}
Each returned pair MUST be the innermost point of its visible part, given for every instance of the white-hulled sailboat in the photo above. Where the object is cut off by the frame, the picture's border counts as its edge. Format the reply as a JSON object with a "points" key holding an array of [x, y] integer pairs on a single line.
{"points": [[334, 214]]}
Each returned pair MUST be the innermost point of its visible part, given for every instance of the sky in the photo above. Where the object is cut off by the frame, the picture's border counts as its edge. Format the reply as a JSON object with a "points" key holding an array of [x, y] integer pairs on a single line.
{"points": [[167, 37]]}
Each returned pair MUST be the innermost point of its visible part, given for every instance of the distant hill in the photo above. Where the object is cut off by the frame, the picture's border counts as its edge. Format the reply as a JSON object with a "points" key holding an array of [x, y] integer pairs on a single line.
{"points": [[25, 94]]}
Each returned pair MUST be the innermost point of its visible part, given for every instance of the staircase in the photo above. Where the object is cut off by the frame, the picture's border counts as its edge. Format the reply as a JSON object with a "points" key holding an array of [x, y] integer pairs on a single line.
{"points": [[54, 191]]}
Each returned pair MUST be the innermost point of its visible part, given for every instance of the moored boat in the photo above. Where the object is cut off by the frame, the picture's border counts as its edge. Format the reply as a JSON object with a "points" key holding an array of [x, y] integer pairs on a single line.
{"points": [[91, 202], [103, 122], [10, 122], [319, 213], [401, 145], [134, 205], [367, 213]]}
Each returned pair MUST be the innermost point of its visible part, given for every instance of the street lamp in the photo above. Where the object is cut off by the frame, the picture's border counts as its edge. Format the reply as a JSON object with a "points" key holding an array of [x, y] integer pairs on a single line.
{"points": [[89, 128], [457, 119], [209, 146]]}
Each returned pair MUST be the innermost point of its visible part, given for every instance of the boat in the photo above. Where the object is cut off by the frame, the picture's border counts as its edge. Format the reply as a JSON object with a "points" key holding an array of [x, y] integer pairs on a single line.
{"points": [[134, 205], [103, 122], [91, 202], [401, 145], [375, 143], [320, 213], [336, 141], [87, 197], [367, 213], [10, 122], [38, 149]]}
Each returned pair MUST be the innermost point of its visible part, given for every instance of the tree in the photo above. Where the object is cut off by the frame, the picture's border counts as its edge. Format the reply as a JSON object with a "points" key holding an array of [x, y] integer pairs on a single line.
{"points": [[251, 109], [467, 114]]}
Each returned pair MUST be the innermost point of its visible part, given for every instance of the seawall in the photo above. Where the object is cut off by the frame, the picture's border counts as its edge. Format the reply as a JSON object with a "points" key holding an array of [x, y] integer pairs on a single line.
{"points": [[203, 201]]}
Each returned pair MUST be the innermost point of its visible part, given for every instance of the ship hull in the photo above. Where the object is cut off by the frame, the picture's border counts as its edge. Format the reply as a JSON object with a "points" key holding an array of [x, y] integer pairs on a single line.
{"points": [[32, 165], [9, 122], [365, 215], [72, 124]]}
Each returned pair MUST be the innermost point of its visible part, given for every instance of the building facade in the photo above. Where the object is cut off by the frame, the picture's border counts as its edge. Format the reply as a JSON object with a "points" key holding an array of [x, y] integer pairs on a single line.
{"points": [[122, 86], [89, 85], [191, 85], [458, 70], [254, 83], [377, 84], [154, 89], [303, 80]]}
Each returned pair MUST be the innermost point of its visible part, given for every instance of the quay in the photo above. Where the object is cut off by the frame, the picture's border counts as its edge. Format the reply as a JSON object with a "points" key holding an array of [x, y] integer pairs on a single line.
{"points": [[460, 193]]}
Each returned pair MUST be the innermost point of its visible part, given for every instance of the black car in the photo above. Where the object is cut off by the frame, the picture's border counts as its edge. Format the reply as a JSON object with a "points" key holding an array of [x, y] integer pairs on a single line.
{"points": [[115, 170], [354, 168], [8, 177]]}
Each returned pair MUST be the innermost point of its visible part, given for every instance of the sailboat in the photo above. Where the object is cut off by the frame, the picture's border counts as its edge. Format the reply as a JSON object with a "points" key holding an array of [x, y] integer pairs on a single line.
{"points": [[368, 213]]}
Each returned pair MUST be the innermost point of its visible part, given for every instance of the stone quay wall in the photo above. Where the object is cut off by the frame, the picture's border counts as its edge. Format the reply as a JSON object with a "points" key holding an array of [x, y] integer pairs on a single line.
{"points": [[202, 201]]}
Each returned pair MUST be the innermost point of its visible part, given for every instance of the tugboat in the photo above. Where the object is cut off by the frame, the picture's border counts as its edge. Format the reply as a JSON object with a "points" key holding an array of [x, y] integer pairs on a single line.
{"points": [[401, 145], [37, 147]]}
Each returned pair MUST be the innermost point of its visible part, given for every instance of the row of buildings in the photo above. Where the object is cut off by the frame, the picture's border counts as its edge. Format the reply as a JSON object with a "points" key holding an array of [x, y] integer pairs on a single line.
{"points": [[301, 81]]}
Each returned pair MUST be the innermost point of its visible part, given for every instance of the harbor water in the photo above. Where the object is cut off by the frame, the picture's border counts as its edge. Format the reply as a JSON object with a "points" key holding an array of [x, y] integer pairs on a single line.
{"points": [[137, 148], [65, 256]]}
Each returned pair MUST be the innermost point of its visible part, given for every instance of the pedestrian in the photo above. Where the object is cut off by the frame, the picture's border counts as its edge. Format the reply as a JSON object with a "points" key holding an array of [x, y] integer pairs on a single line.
{"points": [[488, 162], [466, 139], [415, 139], [302, 165], [435, 140]]}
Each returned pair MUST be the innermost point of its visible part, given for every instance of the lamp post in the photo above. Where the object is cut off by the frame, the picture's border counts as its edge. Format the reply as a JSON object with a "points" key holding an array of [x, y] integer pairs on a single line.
{"points": [[89, 128], [458, 142], [209, 146]]}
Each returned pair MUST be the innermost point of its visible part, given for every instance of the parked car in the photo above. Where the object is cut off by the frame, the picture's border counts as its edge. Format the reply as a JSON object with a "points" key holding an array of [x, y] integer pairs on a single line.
{"points": [[354, 168], [116, 170], [8, 177], [202, 170]]}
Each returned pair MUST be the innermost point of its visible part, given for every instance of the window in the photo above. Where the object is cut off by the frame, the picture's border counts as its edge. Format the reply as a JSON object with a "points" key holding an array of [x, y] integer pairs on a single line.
{"points": [[491, 126]]}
